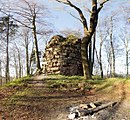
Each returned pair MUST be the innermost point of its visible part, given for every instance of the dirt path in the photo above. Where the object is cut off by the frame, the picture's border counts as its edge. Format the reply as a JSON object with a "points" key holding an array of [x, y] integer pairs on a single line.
{"points": [[38, 102], [123, 110]]}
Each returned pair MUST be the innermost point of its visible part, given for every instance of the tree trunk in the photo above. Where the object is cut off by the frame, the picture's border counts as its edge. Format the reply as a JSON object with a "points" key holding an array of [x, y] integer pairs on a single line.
{"points": [[101, 70], [0, 68], [7, 53], [100, 58], [90, 56], [112, 51], [0, 74], [127, 64], [36, 44], [85, 60], [93, 53], [16, 66], [19, 61], [27, 59]]}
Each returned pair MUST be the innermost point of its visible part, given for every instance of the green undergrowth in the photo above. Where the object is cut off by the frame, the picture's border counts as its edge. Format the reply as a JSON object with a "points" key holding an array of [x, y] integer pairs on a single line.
{"points": [[109, 84], [63, 77], [60, 81], [70, 82], [17, 82], [18, 88]]}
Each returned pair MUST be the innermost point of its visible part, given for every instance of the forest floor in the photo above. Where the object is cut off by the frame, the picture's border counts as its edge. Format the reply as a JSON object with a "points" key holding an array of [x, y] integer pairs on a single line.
{"points": [[49, 97]]}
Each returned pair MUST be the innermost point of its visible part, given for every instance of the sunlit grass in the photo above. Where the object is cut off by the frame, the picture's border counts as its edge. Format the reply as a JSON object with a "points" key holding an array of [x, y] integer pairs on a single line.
{"points": [[108, 84], [17, 82]]}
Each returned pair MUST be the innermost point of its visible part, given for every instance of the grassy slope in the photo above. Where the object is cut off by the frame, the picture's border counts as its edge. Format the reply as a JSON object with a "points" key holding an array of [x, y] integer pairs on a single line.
{"points": [[19, 95]]}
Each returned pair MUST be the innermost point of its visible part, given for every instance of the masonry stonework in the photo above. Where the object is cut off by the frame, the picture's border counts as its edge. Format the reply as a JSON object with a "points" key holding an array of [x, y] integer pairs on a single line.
{"points": [[63, 56]]}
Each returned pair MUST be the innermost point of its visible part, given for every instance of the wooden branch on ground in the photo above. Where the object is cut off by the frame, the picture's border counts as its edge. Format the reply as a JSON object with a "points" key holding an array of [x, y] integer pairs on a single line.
{"points": [[92, 111]]}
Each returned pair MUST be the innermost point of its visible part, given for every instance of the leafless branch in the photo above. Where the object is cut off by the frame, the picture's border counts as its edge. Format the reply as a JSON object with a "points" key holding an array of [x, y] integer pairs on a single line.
{"points": [[62, 2], [16, 20], [101, 5], [88, 10], [78, 10], [75, 17]]}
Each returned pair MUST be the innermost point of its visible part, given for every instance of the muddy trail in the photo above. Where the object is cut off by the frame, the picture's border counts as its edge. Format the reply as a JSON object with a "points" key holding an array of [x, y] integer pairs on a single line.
{"points": [[35, 100]]}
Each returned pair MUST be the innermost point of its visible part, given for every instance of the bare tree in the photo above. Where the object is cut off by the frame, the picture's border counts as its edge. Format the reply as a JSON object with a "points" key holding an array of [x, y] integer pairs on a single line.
{"points": [[125, 38], [88, 32], [112, 49], [102, 30], [7, 29], [25, 38], [33, 14], [15, 65]]}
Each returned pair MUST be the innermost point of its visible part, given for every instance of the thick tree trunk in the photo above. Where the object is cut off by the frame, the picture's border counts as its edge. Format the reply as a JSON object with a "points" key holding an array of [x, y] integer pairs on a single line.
{"points": [[85, 60], [93, 52]]}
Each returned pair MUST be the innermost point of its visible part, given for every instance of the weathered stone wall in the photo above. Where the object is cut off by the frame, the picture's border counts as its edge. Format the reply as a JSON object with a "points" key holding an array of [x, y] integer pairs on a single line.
{"points": [[63, 56]]}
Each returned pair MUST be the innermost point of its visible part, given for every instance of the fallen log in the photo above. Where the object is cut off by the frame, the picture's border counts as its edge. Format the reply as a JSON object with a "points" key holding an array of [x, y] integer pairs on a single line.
{"points": [[85, 112]]}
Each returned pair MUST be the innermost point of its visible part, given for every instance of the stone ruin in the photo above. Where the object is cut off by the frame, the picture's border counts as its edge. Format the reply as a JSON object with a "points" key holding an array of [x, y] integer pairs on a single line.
{"points": [[63, 56]]}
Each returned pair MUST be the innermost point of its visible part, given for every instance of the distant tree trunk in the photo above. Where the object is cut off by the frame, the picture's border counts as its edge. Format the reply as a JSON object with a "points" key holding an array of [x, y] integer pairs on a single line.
{"points": [[90, 56], [7, 76], [126, 44], [35, 42], [19, 61], [100, 59], [112, 51], [127, 64], [15, 66], [0, 73], [100, 54], [22, 70], [0, 68], [125, 40], [27, 57]]}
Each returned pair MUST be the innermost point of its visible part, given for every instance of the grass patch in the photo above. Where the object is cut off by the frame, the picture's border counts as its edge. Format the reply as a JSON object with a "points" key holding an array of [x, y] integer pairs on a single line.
{"points": [[60, 81], [62, 77], [57, 81], [108, 83], [17, 82]]}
